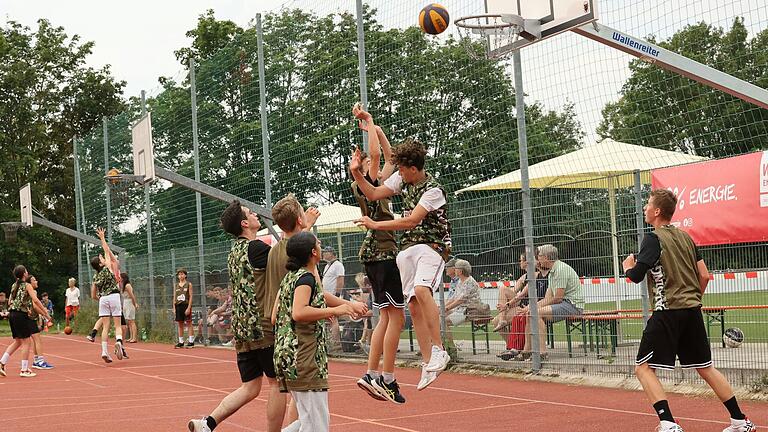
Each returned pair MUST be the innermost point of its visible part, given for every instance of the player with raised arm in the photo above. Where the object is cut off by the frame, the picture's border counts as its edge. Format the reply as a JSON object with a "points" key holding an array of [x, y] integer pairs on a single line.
{"points": [[424, 245]]}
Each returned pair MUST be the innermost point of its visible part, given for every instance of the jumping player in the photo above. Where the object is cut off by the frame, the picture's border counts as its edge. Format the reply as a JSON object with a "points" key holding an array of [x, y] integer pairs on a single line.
{"points": [[424, 245]]}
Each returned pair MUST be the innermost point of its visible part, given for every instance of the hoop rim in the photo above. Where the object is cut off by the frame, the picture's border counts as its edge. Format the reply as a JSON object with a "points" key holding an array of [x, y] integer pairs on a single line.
{"points": [[123, 178], [461, 22]]}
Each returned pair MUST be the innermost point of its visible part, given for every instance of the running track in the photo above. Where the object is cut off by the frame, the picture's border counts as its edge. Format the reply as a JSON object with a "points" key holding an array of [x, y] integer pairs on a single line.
{"points": [[158, 389]]}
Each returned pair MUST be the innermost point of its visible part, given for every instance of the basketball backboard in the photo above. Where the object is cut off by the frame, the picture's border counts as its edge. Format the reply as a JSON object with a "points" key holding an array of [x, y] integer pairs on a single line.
{"points": [[143, 149], [555, 16], [25, 199]]}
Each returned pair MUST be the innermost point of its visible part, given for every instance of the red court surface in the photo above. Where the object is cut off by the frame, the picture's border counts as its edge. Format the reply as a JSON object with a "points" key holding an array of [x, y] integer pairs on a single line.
{"points": [[160, 389]]}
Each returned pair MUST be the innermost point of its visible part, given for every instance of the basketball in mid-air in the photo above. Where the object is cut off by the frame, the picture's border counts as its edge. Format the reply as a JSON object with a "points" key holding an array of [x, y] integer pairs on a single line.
{"points": [[434, 19], [67, 330]]}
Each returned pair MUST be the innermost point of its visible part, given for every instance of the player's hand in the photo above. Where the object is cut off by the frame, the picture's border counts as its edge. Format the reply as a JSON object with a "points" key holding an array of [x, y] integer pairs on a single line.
{"points": [[355, 161], [188, 312], [345, 309], [629, 262], [366, 222], [360, 113], [359, 308], [100, 232], [312, 215]]}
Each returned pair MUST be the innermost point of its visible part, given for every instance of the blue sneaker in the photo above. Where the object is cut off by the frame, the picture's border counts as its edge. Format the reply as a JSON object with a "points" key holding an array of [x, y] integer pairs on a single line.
{"points": [[42, 364]]}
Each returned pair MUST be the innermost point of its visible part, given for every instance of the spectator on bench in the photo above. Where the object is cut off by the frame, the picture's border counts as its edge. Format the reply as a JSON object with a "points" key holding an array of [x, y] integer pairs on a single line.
{"points": [[467, 295], [3, 306], [564, 299]]}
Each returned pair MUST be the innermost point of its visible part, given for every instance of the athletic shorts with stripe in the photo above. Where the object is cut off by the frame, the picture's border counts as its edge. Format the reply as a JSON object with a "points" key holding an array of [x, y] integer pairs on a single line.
{"points": [[385, 283], [419, 265], [675, 333]]}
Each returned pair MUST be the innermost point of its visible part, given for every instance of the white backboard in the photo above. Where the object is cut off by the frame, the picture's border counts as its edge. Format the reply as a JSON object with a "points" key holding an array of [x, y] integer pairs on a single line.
{"points": [[25, 199], [143, 149], [556, 16]]}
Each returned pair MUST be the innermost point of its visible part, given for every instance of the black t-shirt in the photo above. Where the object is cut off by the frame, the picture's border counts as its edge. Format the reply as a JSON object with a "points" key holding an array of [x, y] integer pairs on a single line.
{"points": [[308, 279], [258, 251], [542, 284]]}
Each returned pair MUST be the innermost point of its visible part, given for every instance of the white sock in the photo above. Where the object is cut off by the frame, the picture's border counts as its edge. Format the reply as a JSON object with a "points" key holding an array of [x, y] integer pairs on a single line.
{"points": [[5, 358], [374, 374], [389, 378], [104, 347], [25, 365], [181, 339], [191, 339]]}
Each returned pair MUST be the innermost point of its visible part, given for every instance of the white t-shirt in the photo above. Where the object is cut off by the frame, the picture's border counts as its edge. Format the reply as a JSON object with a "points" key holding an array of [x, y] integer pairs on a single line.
{"points": [[331, 274], [73, 296], [431, 200]]}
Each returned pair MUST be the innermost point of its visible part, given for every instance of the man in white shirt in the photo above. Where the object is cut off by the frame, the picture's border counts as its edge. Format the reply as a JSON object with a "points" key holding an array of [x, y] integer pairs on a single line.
{"points": [[333, 283], [73, 301], [424, 245]]}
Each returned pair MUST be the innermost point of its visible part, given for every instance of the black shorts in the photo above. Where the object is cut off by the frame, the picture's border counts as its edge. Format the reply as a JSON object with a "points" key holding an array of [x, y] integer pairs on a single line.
{"points": [[386, 284], [181, 313], [675, 333], [21, 324], [255, 363]]}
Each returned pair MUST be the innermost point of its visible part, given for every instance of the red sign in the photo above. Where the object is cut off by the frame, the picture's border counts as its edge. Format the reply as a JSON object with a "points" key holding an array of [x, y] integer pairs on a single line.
{"points": [[722, 201]]}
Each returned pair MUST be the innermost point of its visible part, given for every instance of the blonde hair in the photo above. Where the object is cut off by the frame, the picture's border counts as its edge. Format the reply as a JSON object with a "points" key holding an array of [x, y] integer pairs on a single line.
{"points": [[286, 212], [71, 281]]}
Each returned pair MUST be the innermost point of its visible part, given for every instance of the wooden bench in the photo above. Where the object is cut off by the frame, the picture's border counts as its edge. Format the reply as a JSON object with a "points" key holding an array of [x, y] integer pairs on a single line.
{"points": [[481, 325]]}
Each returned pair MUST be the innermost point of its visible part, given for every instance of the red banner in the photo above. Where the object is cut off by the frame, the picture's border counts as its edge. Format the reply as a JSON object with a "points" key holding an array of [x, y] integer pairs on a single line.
{"points": [[722, 201]]}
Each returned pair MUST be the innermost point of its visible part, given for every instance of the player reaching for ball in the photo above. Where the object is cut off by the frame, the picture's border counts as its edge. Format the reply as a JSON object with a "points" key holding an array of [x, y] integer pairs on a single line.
{"points": [[106, 289], [677, 280], [424, 245]]}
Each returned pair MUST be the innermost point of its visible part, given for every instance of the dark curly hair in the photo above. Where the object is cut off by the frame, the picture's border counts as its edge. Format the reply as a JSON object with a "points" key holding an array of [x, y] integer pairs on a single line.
{"points": [[410, 153]]}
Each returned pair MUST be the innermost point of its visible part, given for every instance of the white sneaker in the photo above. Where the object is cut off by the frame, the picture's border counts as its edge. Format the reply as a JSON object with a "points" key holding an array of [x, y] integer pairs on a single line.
{"points": [[106, 358], [666, 426], [439, 361], [27, 374], [198, 426], [427, 377], [119, 350], [741, 426]]}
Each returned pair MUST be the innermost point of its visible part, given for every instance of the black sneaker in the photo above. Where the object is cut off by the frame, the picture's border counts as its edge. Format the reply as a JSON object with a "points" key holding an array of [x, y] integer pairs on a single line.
{"points": [[366, 383], [189, 344], [390, 391], [179, 345], [508, 354]]}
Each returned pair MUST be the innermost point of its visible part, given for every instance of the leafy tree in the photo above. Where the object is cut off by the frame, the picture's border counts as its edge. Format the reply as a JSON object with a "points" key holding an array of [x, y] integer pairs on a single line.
{"points": [[665, 110], [47, 95]]}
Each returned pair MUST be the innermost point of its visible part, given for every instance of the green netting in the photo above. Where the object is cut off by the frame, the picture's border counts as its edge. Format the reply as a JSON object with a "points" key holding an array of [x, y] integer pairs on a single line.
{"points": [[578, 92]]}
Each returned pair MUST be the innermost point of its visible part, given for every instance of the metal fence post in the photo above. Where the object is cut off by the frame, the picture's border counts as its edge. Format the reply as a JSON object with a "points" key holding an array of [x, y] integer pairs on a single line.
{"points": [[527, 212], [148, 210], [106, 185], [361, 65], [198, 203], [639, 220], [79, 198], [77, 217], [263, 112]]}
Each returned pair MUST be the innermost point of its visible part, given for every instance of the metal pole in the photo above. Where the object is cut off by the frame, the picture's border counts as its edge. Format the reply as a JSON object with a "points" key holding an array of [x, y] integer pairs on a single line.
{"points": [[79, 196], [639, 221], [77, 218], [148, 210], [361, 65], [198, 203], [527, 212], [263, 111], [106, 185], [614, 234]]}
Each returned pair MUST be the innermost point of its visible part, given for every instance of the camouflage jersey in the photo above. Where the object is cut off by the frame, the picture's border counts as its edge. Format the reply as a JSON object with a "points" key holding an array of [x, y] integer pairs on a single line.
{"points": [[181, 293], [247, 312], [301, 361], [105, 282], [20, 299], [435, 229], [377, 245]]}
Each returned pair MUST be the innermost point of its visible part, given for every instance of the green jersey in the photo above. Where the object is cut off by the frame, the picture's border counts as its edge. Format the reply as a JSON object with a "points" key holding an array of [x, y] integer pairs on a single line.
{"points": [[301, 360], [105, 282]]}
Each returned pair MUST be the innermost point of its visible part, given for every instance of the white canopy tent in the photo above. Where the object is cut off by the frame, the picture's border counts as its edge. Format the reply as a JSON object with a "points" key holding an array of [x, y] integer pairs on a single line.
{"points": [[602, 165]]}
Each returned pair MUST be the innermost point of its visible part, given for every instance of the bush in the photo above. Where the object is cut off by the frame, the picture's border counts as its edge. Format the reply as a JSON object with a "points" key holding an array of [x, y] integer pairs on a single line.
{"points": [[163, 332]]}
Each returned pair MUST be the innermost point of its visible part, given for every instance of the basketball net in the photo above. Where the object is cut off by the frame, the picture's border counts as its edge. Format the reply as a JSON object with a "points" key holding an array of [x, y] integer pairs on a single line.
{"points": [[119, 185], [10, 229], [484, 36]]}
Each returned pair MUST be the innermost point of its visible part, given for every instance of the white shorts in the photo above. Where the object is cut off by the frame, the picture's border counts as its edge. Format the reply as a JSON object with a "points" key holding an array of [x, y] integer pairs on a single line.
{"points": [[109, 305], [419, 265], [456, 318]]}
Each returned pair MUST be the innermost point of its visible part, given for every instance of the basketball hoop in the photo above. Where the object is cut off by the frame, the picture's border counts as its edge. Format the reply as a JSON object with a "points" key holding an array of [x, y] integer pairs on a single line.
{"points": [[10, 229], [486, 36], [119, 185]]}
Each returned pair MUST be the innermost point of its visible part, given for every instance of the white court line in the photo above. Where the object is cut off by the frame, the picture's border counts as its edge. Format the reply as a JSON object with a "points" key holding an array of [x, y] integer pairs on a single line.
{"points": [[91, 403], [92, 411], [445, 412], [125, 395]]}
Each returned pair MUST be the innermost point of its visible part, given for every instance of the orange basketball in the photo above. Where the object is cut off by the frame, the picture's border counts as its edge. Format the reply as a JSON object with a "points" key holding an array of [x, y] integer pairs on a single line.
{"points": [[434, 19], [67, 330]]}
